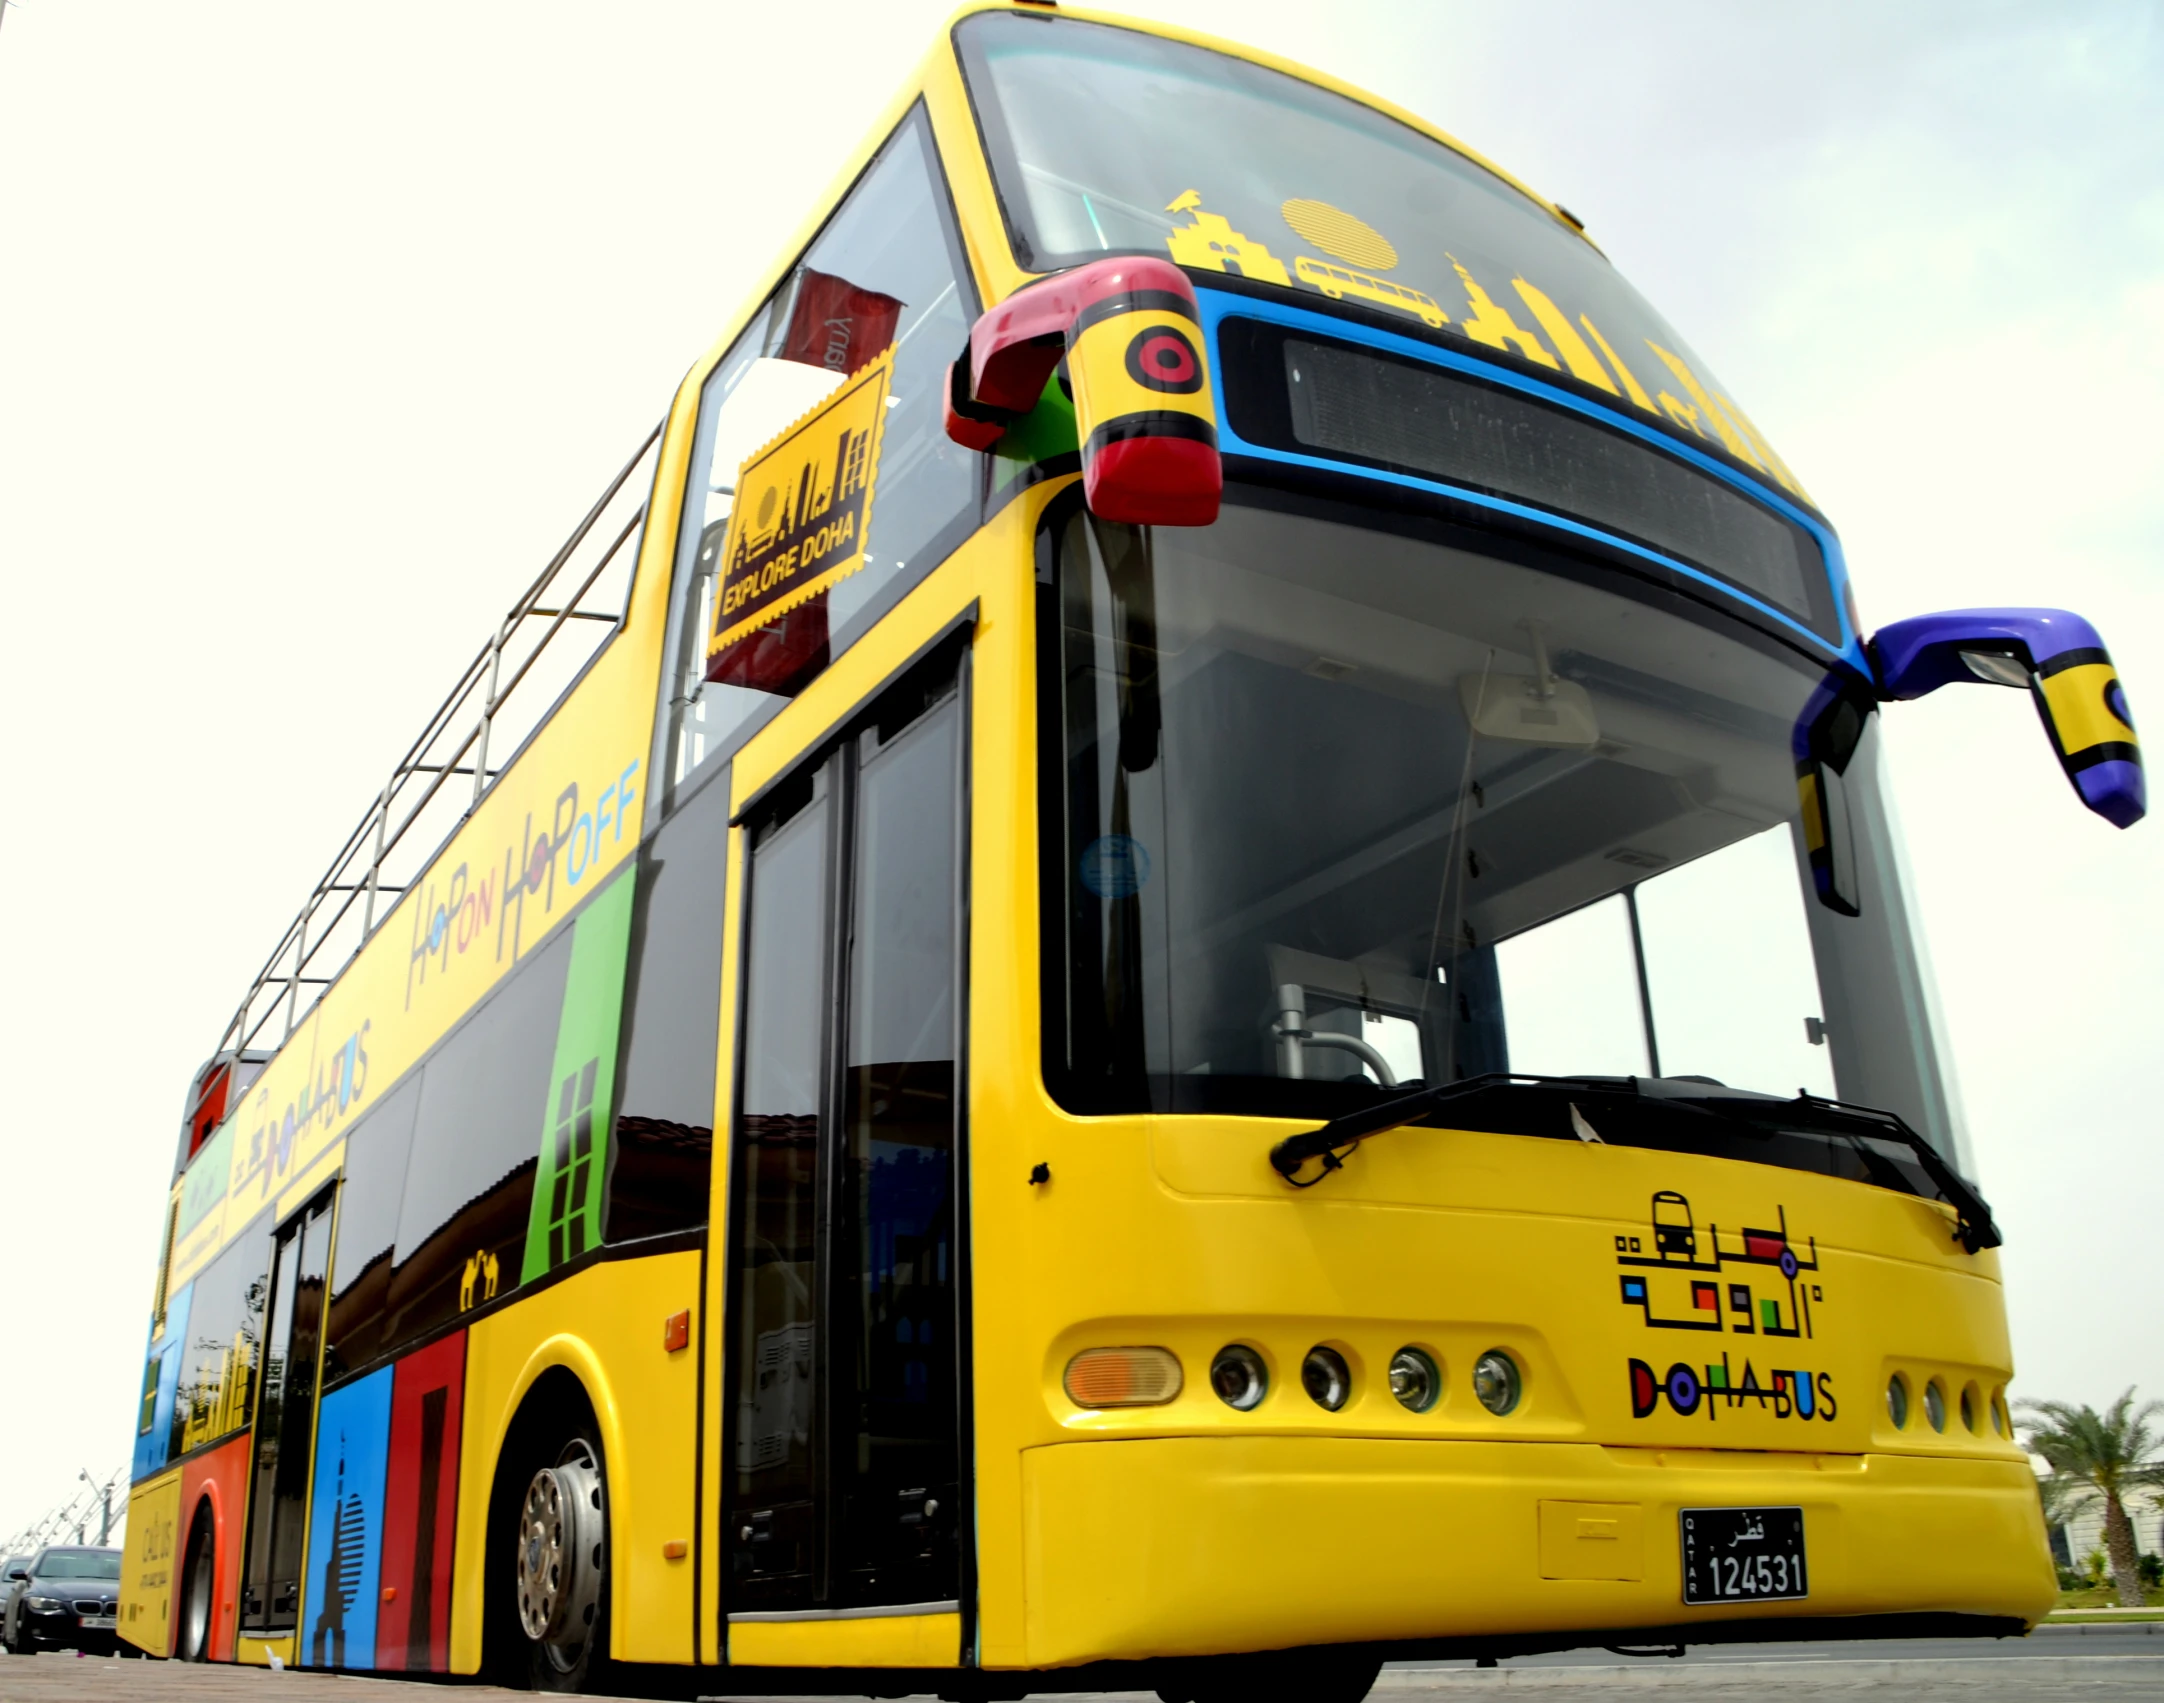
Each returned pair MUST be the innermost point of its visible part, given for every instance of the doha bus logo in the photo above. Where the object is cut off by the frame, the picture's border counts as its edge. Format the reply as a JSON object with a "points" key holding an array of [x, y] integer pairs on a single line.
{"points": [[1683, 1277]]}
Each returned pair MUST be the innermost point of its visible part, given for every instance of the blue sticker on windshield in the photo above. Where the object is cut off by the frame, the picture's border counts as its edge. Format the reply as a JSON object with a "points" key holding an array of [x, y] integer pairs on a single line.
{"points": [[1115, 866]]}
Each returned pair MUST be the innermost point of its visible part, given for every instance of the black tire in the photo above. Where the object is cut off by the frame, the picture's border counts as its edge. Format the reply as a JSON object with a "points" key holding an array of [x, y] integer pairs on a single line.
{"points": [[558, 1567], [198, 1592]]}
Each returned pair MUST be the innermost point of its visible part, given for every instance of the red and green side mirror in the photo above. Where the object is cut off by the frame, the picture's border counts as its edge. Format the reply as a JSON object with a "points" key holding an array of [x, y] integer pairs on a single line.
{"points": [[1131, 335]]}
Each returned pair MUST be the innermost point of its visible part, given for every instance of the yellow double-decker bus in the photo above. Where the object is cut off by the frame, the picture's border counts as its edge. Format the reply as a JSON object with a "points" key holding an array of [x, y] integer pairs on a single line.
{"points": [[1172, 943]]}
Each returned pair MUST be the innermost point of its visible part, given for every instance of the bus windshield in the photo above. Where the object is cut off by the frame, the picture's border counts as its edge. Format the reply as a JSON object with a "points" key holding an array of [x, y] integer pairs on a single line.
{"points": [[1333, 809], [1104, 140]]}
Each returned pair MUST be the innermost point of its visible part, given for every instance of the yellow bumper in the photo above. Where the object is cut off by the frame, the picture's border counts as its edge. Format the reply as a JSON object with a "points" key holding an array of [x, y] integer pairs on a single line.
{"points": [[1199, 1546]]}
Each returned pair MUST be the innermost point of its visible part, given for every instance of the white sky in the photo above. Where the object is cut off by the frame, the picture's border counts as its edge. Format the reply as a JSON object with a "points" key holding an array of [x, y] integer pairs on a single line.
{"points": [[319, 326]]}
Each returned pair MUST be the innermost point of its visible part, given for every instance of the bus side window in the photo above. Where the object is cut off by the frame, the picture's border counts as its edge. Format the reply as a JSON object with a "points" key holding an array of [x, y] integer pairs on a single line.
{"points": [[887, 269], [672, 1009], [476, 1146], [376, 1153], [223, 1353]]}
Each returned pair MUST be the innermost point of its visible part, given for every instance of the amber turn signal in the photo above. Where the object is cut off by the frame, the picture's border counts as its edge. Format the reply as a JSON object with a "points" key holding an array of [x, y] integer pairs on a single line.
{"points": [[1123, 1377]]}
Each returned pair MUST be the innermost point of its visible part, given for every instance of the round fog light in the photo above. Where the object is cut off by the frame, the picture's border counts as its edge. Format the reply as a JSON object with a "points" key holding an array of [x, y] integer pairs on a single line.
{"points": [[1935, 1405], [1414, 1379], [1239, 1377], [1496, 1382], [1326, 1377], [1897, 1401]]}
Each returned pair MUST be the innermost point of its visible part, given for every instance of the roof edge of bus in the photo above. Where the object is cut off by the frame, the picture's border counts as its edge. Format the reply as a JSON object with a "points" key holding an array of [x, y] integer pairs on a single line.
{"points": [[1291, 68]]}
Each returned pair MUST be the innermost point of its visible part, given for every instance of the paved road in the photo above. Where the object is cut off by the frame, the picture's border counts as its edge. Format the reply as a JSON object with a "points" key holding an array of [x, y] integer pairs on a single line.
{"points": [[2134, 1638], [2109, 1664]]}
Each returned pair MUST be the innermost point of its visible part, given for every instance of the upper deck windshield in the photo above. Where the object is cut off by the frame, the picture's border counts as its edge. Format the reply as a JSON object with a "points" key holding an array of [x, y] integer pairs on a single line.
{"points": [[1106, 140], [1329, 808]]}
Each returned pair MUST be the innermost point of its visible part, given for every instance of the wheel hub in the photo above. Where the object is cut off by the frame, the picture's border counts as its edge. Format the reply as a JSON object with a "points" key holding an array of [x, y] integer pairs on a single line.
{"points": [[559, 1553]]}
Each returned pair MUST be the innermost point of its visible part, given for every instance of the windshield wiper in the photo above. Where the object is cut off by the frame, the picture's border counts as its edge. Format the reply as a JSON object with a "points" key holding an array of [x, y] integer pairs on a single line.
{"points": [[1759, 1115], [1349, 1129], [1974, 1227]]}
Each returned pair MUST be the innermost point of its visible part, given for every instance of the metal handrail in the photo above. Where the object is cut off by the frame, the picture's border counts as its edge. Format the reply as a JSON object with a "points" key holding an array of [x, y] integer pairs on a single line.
{"points": [[356, 873]]}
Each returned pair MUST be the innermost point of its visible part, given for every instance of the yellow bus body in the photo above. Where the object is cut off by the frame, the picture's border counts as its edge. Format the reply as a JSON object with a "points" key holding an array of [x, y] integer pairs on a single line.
{"points": [[1188, 1529]]}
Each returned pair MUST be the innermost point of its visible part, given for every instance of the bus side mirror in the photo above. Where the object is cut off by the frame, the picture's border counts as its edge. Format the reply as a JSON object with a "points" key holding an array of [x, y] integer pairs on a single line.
{"points": [[1130, 331], [2060, 659]]}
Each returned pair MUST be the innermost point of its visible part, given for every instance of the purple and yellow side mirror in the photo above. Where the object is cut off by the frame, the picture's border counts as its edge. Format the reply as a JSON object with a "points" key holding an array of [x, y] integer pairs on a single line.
{"points": [[2060, 659]]}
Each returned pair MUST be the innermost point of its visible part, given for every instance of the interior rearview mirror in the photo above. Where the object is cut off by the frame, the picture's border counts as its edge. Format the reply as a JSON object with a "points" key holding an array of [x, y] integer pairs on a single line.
{"points": [[2060, 659]]}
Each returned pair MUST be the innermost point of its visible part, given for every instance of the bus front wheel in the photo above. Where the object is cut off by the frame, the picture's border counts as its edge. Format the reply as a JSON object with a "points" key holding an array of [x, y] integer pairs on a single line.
{"points": [[560, 1563]]}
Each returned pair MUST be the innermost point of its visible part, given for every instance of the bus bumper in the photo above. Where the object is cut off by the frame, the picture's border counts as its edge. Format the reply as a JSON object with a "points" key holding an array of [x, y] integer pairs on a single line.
{"points": [[1203, 1546]]}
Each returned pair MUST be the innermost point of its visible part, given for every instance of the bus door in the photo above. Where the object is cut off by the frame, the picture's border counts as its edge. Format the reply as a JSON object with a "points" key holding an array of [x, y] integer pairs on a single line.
{"points": [[844, 1405], [285, 1424]]}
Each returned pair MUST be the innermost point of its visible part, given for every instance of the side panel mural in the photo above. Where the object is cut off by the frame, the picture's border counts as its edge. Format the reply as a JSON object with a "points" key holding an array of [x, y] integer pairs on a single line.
{"points": [[148, 1565], [220, 1477], [420, 1509], [345, 1526]]}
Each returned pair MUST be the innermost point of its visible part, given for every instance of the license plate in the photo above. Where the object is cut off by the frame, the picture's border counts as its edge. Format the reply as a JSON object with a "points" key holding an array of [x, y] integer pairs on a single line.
{"points": [[100, 1622], [1743, 1555]]}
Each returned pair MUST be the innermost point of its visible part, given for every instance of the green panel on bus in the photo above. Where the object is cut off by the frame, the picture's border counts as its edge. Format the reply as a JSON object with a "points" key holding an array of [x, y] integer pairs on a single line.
{"points": [[565, 1219]]}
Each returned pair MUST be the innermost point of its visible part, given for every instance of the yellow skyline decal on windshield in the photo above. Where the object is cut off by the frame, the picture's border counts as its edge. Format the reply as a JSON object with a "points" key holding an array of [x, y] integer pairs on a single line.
{"points": [[1209, 243]]}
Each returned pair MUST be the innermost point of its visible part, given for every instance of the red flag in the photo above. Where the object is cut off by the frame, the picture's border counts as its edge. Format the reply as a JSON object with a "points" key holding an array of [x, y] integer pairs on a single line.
{"points": [[836, 325]]}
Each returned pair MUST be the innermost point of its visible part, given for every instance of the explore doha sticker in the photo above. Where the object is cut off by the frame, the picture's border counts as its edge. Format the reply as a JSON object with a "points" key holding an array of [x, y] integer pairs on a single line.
{"points": [[802, 509]]}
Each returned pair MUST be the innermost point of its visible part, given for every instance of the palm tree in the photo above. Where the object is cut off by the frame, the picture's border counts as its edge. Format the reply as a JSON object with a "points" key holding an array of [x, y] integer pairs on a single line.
{"points": [[2102, 1458]]}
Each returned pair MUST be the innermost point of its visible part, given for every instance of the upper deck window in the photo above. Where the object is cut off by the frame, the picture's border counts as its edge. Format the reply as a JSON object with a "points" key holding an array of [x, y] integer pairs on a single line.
{"points": [[1106, 140], [887, 270]]}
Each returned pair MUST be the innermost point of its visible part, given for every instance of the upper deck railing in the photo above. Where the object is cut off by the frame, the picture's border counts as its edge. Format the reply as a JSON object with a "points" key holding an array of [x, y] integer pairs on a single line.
{"points": [[531, 658]]}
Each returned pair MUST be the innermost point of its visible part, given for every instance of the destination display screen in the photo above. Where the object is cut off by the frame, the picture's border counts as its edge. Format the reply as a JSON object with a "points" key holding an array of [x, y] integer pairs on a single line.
{"points": [[1348, 403]]}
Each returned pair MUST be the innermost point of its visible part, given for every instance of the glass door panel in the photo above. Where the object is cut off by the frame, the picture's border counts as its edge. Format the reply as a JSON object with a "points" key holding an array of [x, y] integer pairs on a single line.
{"points": [[286, 1423], [895, 1367], [844, 1365], [775, 1279]]}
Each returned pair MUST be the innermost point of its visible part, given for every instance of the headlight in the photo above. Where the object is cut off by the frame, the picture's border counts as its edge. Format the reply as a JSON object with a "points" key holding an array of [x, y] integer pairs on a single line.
{"points": [[1935, 1405], [1496, 1382], [1239, 1377], [44, 1605], [1414, 1379], [1897, 1401], [1326, 1378]]}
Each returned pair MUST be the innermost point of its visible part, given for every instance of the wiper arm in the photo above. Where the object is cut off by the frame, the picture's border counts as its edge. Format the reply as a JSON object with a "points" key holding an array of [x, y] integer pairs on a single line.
{"points": [[1974, 1227], [1349, 1129]]}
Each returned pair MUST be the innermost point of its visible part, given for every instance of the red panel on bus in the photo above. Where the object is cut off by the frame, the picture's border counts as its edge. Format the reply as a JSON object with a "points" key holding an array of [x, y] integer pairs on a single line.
{"points": [[221, 1476], [420, 1509]]}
